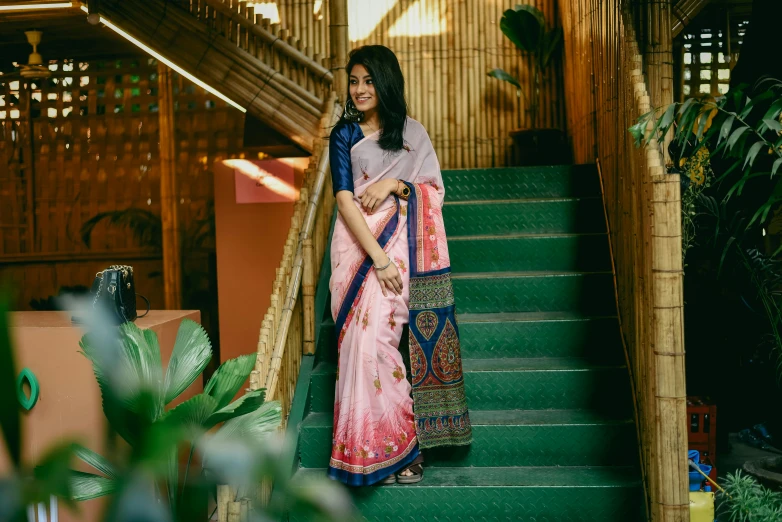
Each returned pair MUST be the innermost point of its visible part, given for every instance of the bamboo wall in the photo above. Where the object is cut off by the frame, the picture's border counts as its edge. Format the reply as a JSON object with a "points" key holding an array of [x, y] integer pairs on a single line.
{"points": [[445, 48], [611, 78], [95, 148]]}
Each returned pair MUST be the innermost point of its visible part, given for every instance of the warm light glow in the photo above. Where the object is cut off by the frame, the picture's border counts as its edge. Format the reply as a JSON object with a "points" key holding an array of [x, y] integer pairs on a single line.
{"points": [[266, 179], [423, 18], [267, 10], [30, 7], [168, 62], [363, 20]]}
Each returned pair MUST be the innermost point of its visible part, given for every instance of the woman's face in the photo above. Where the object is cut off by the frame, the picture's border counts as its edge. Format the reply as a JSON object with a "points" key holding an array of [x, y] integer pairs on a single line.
{"points": [[362, 90]]}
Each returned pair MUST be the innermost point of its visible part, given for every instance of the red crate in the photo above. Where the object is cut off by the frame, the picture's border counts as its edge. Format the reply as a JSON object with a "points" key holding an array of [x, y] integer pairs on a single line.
{"points": [[702, 426]]}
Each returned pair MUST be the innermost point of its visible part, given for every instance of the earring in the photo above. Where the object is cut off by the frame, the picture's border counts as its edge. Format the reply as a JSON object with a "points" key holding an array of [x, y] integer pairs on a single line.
{"points": [[351, 112]]}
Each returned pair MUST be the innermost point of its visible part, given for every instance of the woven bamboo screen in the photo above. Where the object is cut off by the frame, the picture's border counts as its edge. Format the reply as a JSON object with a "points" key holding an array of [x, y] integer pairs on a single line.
{"points": [[706, 58], [612, 77], [94, 149], [445, 48]]}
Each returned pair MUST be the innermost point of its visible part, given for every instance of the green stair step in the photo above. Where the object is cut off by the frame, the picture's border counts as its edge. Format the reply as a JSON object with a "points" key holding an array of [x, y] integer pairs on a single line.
{"points": [[588, 252], [529, 494], [524, 182], [521, 334], [510, 438], [535, 292], [540, 334], [517, 384], [530, 216]]}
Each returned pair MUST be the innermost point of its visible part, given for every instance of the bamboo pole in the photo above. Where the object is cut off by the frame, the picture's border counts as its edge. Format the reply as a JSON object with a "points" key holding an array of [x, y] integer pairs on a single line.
{"points": [[308, 293], [169, 202], [339, 39]]}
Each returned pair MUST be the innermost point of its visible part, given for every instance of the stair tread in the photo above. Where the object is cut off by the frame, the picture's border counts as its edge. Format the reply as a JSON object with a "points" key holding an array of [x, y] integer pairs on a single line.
{"points": [[504, 364], [536, 273], [516, 477], [514, 317], [508, 364], [553, 199], [509, 418], [526, 235]]}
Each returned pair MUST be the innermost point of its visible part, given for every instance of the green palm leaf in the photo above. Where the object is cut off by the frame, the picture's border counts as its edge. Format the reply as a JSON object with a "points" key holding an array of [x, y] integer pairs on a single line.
{"points": [[192, 414], [99, 462], [192, 352], [86, 486], [228, 378], [246, 404], [253, 426], [551, 43]]}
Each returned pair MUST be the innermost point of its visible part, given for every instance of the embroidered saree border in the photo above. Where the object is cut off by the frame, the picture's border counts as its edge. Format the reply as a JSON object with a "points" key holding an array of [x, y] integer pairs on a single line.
{"points": [[439, 401]]}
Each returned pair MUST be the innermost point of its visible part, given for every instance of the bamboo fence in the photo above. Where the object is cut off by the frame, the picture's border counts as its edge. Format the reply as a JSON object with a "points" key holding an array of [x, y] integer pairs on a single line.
{"points": [[446, 48], [612, 78]]}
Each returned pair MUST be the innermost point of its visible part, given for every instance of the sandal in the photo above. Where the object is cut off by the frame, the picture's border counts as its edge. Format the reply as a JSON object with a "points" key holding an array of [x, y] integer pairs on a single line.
{"points": [[418, 474], [391, 479]]}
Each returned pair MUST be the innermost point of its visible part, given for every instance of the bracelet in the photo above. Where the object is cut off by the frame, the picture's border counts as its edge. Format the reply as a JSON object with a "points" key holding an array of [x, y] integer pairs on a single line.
{"points": [[380, 268]]}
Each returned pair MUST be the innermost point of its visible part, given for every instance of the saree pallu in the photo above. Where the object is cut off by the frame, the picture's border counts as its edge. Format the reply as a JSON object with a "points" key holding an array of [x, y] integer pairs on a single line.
{"points": [[379, 425]]}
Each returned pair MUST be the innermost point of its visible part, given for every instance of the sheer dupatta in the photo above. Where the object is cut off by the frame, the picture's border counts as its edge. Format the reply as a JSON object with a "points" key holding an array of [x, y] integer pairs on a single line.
{"points": [[439, 403]]}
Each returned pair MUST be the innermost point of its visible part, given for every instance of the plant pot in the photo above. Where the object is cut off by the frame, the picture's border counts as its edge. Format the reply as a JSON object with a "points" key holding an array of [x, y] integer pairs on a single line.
{"points": [[539, 147], [768, 471]]}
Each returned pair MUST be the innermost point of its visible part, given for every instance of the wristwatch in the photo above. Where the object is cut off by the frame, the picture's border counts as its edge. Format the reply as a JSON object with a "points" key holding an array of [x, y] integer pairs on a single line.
{"points": [[405, 190]]}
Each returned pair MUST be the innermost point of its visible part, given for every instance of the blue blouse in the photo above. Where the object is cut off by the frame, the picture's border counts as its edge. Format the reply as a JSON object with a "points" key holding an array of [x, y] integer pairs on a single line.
{"points": [[343, 137]]}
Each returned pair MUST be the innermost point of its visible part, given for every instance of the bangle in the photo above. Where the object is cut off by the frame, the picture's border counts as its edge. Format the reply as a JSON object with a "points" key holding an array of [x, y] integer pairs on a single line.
{"points": [[380, 268]]}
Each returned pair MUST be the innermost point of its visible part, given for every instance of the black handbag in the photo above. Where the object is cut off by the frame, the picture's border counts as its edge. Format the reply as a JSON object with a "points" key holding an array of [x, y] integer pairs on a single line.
{"points": [[114, 290]]}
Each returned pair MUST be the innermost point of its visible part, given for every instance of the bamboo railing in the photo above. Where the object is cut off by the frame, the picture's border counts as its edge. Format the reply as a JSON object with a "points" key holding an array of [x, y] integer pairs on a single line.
{"points": [[259, 67], [291, 66], [288, 328], [611, 79]]}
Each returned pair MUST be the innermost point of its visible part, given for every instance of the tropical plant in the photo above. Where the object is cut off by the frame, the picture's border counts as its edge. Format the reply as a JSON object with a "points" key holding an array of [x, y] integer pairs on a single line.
{"points": [[227, 441], [740, 133], [733, 131], [747, 501], [525, 26], [136, 391]]}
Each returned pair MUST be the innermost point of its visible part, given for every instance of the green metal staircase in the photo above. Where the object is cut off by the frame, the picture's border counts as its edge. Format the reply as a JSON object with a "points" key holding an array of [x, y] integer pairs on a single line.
{"points": [[547, 387]]}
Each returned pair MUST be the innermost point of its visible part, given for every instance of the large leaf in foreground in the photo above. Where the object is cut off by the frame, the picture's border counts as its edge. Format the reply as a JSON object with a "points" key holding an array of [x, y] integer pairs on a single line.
{"points": [[244, 405], [86, 486], [192, 352], [228, 378]]}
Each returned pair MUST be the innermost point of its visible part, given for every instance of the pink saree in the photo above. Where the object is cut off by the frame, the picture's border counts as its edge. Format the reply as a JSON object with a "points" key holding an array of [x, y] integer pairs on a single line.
{"points": [[379, 427]]}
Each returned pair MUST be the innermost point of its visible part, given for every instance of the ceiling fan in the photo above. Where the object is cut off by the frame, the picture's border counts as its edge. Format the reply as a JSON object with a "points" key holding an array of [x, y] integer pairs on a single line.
{"points": [[34, 68]]}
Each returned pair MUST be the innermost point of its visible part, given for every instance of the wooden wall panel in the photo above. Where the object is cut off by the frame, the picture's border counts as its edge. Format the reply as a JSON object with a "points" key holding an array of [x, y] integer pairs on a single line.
{"points": [[445, 48], [95, 149]]}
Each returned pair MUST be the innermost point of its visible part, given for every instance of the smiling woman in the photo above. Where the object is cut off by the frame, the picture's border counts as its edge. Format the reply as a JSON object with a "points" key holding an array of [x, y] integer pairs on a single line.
{"points": [[390, 267]]}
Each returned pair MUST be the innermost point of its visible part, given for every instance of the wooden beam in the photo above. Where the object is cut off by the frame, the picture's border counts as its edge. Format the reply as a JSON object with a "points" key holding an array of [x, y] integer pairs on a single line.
{"points": [[340, 43], [684, 11], [172, 266]]}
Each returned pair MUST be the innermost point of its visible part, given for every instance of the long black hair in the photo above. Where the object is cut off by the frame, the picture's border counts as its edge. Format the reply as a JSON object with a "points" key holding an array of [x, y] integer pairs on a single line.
{"points": [[383, 66]]}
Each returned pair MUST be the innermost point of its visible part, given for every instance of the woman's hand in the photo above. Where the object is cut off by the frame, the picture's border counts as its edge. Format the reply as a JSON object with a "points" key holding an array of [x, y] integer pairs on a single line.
{"points": [[376, 194], [389, 279]]}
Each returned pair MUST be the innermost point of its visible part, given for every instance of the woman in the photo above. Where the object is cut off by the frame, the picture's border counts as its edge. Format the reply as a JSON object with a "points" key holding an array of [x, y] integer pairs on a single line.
{"points": [[390, 267]]}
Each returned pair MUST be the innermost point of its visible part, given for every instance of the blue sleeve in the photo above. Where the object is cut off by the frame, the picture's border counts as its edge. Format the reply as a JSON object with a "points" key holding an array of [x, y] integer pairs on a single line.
{"points": [[339, 158]]}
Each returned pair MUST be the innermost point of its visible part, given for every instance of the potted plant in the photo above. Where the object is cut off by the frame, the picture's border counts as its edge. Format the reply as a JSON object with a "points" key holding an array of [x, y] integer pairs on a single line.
{"points": [[525, 26]]}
